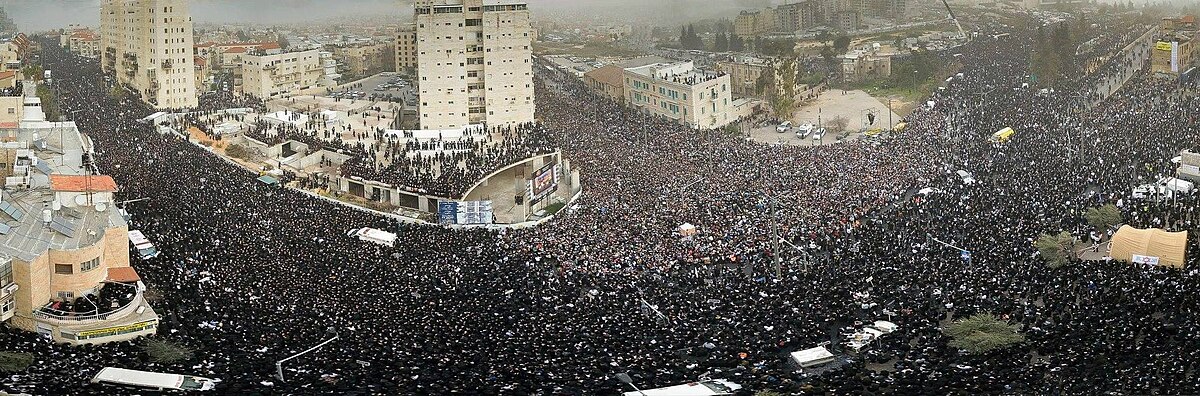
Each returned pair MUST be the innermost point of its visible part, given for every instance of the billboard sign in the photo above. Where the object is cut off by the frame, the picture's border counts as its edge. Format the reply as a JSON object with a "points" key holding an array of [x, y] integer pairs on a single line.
{"points": [[447, 212], [544, 182], [474, 212], [1162, 46]]}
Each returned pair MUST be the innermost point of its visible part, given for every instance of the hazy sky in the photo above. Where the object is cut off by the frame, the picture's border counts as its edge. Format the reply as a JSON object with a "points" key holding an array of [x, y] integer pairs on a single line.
{"points": [[36, 15]]}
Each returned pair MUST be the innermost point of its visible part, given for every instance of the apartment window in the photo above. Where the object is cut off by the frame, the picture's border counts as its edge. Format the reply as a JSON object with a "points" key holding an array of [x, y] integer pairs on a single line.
{"points": [[89, 265], [66, 295], [12, 110], [64, 269]]}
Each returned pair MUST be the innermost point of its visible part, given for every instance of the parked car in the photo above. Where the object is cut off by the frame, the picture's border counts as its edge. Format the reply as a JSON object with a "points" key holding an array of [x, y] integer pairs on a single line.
{"points": [[784, 127]]}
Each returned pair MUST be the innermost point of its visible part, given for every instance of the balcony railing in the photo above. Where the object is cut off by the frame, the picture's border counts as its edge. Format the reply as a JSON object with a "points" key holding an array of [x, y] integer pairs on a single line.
{"points": [[93, 318]]}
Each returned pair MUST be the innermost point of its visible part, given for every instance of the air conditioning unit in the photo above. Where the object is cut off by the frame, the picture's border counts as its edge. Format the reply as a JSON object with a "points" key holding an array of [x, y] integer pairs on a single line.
{"points": [[11, 289]]}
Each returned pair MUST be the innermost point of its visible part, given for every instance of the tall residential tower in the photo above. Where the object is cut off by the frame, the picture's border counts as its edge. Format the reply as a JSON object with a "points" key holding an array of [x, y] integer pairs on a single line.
{"points": [[148, 45], [474, 62]]}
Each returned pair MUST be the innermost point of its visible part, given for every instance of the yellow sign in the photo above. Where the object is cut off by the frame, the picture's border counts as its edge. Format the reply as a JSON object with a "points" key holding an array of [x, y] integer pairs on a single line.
{"points": [[110, 331], [1162, 46]]}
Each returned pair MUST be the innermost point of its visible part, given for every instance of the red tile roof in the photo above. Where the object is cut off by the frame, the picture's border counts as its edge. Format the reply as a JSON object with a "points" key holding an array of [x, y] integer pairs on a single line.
{"points": [[81, 183], [268, 46], [7, 74], [200, 61], [84, 35], [123, 275], [1188, 19], [235, 50]]}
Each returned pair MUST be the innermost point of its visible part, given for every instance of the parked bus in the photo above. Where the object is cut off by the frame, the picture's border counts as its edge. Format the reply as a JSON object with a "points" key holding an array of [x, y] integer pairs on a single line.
{"points": [[714, 387], [151, 381], [145, 249], [373, 235]]}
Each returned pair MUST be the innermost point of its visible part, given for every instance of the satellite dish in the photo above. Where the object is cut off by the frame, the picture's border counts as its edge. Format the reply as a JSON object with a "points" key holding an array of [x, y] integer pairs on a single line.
{"points": [[101, 206], [80, 200]]}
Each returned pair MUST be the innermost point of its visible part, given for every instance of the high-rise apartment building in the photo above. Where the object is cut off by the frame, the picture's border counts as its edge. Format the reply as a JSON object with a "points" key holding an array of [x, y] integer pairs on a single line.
{"points": [[147, 44], [474, 63], [406, 49]]}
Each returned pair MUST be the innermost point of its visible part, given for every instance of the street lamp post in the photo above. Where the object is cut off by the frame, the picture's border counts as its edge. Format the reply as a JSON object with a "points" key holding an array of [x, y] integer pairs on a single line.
{"points": [[279, 364]]}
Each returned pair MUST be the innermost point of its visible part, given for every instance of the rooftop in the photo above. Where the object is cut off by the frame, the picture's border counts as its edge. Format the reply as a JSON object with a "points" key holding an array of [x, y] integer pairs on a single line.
{"points": [[678, 72], [82, 183]]}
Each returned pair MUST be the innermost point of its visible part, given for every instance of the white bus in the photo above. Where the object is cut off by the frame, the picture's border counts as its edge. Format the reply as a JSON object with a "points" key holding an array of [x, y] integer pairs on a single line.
{"points": [[145, 249], [151, 381], [714, 387], [373, 235]]}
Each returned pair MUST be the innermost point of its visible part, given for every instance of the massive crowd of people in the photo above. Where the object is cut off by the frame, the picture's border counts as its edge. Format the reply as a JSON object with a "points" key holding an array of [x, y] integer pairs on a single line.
{"points": [[251, 273]]}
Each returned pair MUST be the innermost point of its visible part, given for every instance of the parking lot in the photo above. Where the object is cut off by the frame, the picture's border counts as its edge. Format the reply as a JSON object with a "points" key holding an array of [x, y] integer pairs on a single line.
{"points": [[380, 87]]}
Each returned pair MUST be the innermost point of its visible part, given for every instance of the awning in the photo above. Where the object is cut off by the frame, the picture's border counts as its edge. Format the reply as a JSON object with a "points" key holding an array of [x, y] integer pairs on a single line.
{"points": [[268, 180], [123, 275]]}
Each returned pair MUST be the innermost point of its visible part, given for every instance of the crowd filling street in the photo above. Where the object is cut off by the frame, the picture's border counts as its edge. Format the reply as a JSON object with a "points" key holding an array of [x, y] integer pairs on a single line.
{"points": [[251, 273]]}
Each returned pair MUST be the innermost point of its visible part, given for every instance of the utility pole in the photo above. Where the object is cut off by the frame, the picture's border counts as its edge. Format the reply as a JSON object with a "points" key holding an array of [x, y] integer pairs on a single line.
{"points": [[890, 124]]}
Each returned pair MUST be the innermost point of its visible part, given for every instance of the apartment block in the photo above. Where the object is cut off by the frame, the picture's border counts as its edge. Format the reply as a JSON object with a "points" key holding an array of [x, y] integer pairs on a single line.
{"points": [[474, 63], [80, 41], [281, 75], [364, 59], [796, 16], [749, 24], [147, 45], [406, 49], [681, 92], [744, 73]]}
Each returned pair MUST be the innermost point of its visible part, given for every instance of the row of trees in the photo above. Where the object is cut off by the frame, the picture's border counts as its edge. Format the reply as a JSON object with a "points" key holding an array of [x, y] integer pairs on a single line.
{"points": [[723, 41]]}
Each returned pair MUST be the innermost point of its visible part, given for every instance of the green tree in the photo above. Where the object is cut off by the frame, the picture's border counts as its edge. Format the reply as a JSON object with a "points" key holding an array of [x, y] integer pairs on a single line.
{"points": [[1104, 217], [736, 43], [163, 351], [283, 42], [1055, 249], [721, 44], [841, 44], [982, 333], [824, 36]]}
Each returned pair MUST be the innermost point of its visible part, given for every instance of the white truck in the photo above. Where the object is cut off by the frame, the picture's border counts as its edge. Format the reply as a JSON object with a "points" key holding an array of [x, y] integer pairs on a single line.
{"points": [[146, 250], [373, 235]]}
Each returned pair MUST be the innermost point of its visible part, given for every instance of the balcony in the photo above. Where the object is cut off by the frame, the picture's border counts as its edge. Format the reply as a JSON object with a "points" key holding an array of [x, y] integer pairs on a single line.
{"points": [[84, 310], [166, 64]]}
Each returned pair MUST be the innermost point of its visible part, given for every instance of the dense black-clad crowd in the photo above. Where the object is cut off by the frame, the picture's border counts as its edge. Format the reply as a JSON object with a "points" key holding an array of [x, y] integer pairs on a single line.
{"points": [[559, 309]]}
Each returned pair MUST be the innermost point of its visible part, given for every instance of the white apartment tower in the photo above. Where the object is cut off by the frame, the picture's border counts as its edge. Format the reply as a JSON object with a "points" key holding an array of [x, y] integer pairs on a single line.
{"points": [[148, 45], [475, 63]]}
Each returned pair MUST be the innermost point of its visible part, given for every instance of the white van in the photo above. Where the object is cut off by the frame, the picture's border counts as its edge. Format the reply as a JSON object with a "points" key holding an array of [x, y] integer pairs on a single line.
{"points": [[804, 130], [373, 235], [145, 249]]}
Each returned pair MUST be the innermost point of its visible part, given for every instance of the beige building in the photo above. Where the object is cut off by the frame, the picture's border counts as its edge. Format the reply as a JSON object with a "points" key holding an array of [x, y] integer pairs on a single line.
{"points": [[364, 60], [1174, 49], [64, 246], [283, 75], [744, 73], [752, 23], [859, 66], [406, 49], [147, 44], [13, 51], [80, 41], [795, 16], [679, 91], [474, 62]]}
